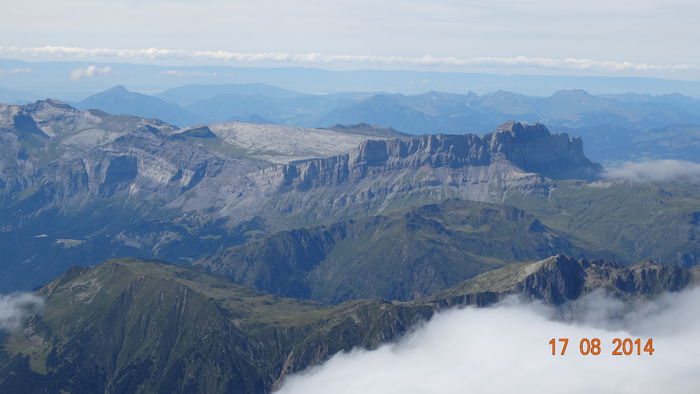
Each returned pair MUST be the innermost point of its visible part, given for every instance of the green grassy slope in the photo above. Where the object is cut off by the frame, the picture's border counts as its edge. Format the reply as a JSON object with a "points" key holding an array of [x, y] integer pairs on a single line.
{"points": [[132, 325], [404, 255], [636, 221], [137, 326]]}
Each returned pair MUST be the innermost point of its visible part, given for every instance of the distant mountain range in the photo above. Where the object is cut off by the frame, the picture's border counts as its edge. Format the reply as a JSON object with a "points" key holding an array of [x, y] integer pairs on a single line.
{"points": [[189, 94], [616, 127], [15, 97], [52, 79], [120, 101]]}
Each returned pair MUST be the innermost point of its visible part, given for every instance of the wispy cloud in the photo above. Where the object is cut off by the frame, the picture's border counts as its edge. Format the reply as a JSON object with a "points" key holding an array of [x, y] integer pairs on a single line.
{"points": [[318, 58], [89, 72], [505, 350], [656, 171], [181, 73], [16, 307], [16, 71]]}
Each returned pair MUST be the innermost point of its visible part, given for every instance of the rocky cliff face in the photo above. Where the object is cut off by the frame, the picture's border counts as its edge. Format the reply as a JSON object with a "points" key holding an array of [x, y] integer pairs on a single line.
{"points": [[381, 175], [561, 279], [86, 154], [534, 149], [83, 185], [529, 148]]}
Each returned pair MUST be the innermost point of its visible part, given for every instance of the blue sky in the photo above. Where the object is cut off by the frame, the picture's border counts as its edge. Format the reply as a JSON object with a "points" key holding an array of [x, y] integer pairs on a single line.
{"points": [[614, 37]]}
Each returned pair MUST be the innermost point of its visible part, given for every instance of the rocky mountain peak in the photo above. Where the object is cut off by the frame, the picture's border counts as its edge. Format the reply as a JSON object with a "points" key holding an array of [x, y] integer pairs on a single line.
{"points": [[47, 105], [118, 88], [517, 129], [575, 93], [534, 148], [560, 279]]}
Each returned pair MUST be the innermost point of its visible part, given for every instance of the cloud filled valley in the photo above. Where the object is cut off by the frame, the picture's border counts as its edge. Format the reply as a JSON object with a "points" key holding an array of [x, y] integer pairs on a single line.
{"points": [[505, 349], [656, 171]]}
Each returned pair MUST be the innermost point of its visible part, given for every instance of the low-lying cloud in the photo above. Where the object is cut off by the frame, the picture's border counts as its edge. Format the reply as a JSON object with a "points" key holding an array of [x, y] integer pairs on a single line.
{"points": [[15, 71], [182, 73], [656, 171], [89, 72], [14, 308], [505, 349], [568, 63]]}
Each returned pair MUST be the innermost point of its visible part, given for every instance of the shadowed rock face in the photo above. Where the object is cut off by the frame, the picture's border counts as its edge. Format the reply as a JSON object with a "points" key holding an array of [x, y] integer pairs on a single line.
{"points": [[533, 148], [26, 126], [561, 279]]}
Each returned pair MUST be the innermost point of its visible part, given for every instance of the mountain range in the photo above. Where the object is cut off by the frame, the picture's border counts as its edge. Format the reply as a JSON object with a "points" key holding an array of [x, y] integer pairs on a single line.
{"points": [[617, 127], [288, 244], [52, 79], [184, 194]]}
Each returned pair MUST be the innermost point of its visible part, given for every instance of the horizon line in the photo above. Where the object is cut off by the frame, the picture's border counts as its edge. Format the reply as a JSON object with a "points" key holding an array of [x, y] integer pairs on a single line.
{"points": [[527, 62]]}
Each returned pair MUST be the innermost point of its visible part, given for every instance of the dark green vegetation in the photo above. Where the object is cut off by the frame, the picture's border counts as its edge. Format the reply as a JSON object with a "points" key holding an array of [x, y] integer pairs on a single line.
{"points": [[135, 326], [437, 245], [401, 256], [636, 221]]}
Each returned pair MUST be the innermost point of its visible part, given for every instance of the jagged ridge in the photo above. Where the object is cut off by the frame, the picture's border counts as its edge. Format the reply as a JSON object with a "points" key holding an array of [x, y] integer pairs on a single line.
{"points": [[144, 326]]}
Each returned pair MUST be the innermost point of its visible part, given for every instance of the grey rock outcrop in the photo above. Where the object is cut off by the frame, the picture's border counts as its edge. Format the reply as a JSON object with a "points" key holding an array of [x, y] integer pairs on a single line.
{"points": [[530, 148]]}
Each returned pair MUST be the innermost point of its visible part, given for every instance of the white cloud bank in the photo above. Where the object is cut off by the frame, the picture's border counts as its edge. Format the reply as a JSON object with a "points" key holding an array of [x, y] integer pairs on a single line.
{"points": [[14, 308], [656, 171], [89, 72], [505, 349], [318, 58]]}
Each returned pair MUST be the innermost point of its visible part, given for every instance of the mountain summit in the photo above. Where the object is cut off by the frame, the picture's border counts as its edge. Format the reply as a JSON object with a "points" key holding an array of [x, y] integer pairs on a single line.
{"points": [[533, 148], [119, 100]]}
